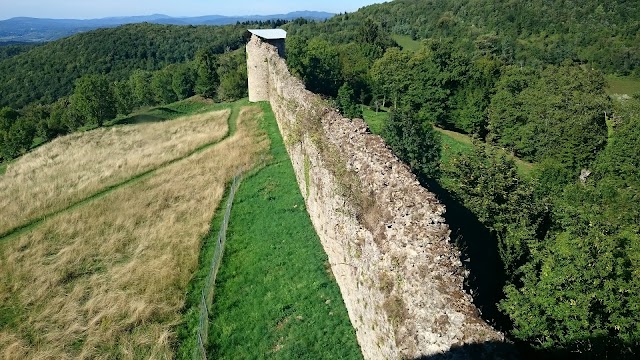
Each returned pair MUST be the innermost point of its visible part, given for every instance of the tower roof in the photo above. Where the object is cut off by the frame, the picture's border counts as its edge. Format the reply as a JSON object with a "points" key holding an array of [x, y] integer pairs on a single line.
{"points": [[269, 34]]}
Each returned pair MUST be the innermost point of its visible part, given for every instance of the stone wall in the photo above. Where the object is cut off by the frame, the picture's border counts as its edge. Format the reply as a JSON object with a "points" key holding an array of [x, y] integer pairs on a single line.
{"points": [[384, 234], [257, 76]]}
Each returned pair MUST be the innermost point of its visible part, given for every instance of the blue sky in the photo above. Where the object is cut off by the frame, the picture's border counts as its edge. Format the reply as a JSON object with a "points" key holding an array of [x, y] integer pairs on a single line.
{"points": [[89, 9]]}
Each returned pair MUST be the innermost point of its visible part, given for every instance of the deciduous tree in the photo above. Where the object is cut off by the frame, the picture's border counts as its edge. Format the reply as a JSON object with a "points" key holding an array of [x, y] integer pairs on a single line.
{"points": [[93, 99]]}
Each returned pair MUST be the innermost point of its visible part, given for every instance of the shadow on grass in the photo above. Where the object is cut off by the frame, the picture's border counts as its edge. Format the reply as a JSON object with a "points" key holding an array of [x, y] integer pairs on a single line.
{"points": [[157, 115]]}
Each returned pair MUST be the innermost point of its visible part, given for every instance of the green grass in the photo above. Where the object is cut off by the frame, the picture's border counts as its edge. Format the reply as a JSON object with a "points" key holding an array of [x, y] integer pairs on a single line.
{"points": [[185, 107], [374, 120], [453, 144], [275, 296], [406, 42], [3, 168], [622, 85], [10, 314], [188, 330]]}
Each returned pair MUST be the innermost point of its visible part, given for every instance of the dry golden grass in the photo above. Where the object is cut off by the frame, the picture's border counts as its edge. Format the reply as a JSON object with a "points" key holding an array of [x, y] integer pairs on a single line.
{"points": [[73, 167], [108, 279]]}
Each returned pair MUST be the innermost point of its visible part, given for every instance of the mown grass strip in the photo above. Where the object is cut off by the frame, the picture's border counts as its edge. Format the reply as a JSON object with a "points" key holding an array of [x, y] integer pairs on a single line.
{"points": [[235, 109], [275, 296], [188, 331]]}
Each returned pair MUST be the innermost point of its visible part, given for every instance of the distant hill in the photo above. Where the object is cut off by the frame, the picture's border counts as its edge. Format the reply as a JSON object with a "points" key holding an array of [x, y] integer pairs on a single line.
{"points": [[44, 73], [27, 29]]}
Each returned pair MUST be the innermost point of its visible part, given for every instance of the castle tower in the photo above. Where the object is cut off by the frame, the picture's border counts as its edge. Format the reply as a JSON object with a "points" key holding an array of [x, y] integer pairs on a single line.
{"points": [[257, 65]]}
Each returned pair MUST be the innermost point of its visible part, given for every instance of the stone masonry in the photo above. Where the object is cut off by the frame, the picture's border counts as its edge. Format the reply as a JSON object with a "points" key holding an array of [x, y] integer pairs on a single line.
{"points": [[389, 249]]}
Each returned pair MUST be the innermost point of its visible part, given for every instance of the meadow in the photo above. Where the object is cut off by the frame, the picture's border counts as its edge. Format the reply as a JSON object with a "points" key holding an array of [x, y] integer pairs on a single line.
{"points": [[406, 42], [113, 271], [622, 85], [73, 167], [107, 279]]}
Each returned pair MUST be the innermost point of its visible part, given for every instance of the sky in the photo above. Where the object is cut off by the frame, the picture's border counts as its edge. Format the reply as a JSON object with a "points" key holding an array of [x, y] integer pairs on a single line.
{"points": [[91, 9]]}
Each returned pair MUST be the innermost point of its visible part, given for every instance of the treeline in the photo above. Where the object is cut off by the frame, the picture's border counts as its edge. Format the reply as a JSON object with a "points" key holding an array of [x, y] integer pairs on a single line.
{"points": [[47, 72], [569, 243], [567, 233], [552, 114], [96, 99], [265, 24], [605, 36]]}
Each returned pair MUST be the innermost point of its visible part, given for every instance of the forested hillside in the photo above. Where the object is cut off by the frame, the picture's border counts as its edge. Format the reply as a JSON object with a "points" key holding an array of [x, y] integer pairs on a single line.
{"points": [[11, 48], [47, 72], [87, 80], [605, 35], [524, 81]]}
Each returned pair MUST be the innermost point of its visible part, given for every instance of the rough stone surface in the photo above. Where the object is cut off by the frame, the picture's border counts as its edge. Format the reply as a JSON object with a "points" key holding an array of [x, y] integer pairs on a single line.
{"points": [[384, 234], [257, 76]]}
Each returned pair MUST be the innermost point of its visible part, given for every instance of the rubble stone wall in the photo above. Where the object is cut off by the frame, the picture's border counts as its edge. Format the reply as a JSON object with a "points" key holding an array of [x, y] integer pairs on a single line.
{"points": [[388, 245]]}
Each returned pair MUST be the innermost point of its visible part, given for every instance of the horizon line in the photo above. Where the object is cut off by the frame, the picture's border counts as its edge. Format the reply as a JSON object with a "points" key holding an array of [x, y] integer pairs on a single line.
{"points": [[169, 16]]}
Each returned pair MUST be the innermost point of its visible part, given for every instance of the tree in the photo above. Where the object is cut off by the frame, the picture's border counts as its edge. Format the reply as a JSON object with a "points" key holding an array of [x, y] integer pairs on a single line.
{"points": [[557, 113], [620, 160], [347, 103], [140, 82], [55, 124], [355, 66], [7, 117], [161, 85], [38, 116], [581, 290], [123, 95], [232, 71], [184, 81], [414, 142], [322, 71], [207, 81], [436, 71], [93, 98], [296, 54], [488, 184], [471, 98], [388, 75], [18, 139]]}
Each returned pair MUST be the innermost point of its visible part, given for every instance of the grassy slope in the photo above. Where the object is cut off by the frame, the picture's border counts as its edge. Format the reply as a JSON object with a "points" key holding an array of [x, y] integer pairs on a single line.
{"points": [[64, 181], [275, 296], [78, 286], [453, 143], [622, 85], [191, 106], [374, 120], [406, 42]]}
